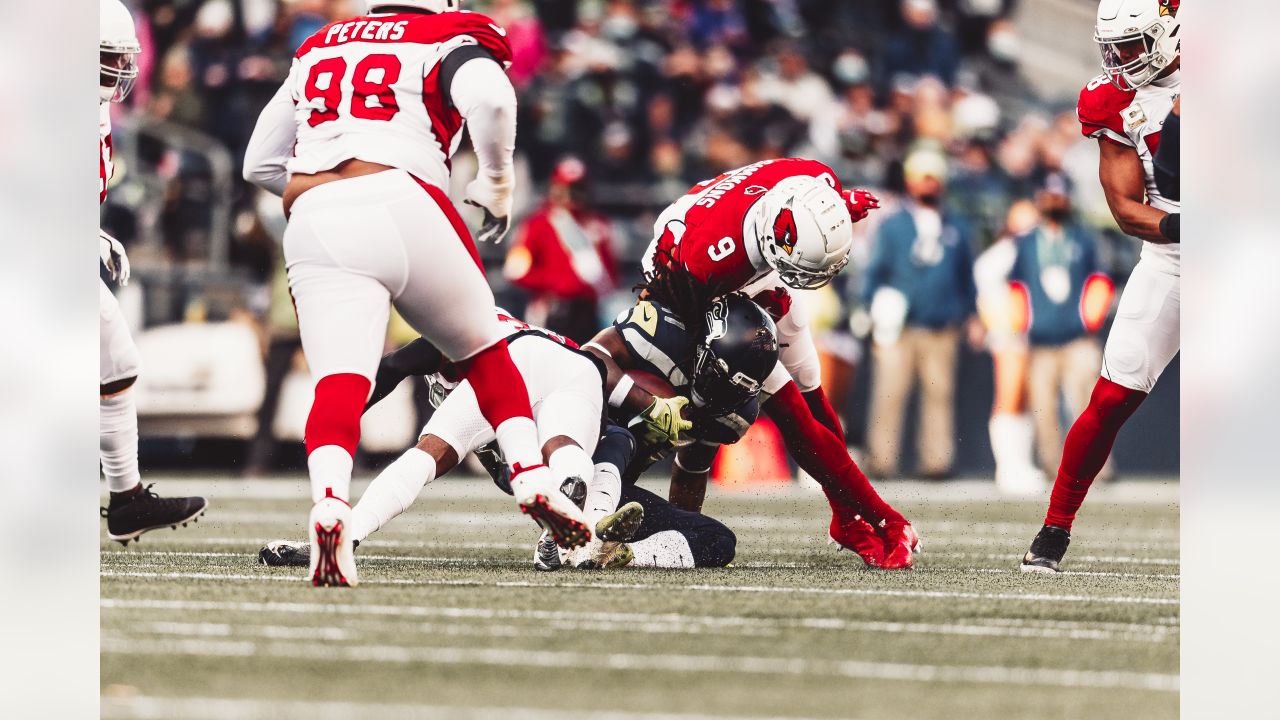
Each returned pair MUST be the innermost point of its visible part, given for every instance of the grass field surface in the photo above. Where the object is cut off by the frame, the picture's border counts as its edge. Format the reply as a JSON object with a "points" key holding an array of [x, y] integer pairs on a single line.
{"points": [[451, 621]]}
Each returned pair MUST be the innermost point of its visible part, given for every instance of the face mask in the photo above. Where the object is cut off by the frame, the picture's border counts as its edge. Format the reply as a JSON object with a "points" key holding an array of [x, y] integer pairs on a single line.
{"points": [[1058, 214], [930, 200]]}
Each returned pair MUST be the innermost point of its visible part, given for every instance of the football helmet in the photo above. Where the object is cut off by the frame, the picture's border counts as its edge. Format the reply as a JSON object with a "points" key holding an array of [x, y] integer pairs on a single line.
{"points": [[435, 6], [803, 230], [1138, 39], [117, 51], [739, 349]]}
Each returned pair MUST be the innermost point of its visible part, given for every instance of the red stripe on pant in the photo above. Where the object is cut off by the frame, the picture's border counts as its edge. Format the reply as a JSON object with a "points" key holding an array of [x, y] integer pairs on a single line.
{"points": [[824, 456], [335, 412], [1088, 444], [498, 385], [451, 212]]}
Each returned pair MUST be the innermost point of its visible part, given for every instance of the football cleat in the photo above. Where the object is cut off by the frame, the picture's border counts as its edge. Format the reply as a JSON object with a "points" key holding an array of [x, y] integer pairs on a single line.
{"points": [[859, 536], [286, 553], [546, 554], [901, 542], [609, 549], [332, 556], [130, 517], [1046, 550], [543, 499]]}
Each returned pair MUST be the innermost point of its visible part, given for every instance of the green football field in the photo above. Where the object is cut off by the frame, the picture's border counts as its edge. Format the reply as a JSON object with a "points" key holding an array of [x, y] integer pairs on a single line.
{"points": [[451, 621]]}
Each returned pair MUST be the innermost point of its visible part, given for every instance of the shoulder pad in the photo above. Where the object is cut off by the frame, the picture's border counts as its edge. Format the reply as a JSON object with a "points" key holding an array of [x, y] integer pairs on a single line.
{"points": [[1099, 109]]}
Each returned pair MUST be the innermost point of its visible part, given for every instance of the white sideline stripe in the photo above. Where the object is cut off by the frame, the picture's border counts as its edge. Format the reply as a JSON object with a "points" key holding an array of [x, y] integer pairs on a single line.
{"points": [[854, 669], [933, 594], [144, 707], [495, 562], [653, 623]]}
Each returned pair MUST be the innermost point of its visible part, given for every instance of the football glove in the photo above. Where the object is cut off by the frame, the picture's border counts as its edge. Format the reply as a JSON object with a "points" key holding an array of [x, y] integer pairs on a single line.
{"points": [[113, 257], [662, 421], [493, 196], [860, 203]]}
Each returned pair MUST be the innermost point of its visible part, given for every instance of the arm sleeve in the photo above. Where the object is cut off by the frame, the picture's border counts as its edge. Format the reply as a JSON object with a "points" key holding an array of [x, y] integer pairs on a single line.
{"points": [[797, 350], [1166, 159], [484, 97], [271, 145]]}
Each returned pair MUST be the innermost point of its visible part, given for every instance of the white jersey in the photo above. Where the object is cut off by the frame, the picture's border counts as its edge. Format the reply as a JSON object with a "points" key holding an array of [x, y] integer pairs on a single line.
{"points": [[369, 88], [1134, 118]]}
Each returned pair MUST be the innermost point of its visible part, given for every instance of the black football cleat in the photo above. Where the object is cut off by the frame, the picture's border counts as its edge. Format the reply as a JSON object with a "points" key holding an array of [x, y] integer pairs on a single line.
{"points": [[546, 554], [286, 553], [130, 517], [1046, 550]]}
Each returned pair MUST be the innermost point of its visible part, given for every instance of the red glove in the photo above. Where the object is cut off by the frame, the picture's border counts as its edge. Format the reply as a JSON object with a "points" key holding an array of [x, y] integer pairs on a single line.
{"points": [[860, 203], [776, 302]]}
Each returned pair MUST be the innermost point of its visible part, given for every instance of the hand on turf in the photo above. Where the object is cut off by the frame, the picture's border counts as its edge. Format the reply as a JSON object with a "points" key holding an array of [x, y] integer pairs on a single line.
{"points": [[113, 257], [493, 196], [663, 421]]}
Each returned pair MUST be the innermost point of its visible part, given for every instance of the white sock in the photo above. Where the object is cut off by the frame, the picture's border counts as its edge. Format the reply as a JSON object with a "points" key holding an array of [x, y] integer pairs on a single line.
{"points": [[518, 439], [330, 469], [571, 461], [604, 492], [667, 549], [392, 492], [118, 441]]}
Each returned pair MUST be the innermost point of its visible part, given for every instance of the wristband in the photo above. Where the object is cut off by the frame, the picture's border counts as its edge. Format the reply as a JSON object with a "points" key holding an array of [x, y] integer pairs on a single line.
{"points": [[619, 394], [1170, 227]]}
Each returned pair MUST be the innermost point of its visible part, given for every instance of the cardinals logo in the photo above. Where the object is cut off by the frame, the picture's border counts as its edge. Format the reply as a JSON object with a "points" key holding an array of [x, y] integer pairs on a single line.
{"points": [[1168, 7], [784, 231]]}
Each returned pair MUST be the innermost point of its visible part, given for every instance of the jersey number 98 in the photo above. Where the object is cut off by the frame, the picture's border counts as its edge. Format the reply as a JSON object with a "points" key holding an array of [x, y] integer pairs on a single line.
{"points": [[386, 70]]}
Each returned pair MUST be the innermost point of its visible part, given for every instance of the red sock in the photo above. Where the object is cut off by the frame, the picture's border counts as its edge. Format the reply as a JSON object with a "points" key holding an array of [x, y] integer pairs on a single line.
{"points": [[1087, 446], [499, 387], [335, 412], [820, 408], [824, 456]]}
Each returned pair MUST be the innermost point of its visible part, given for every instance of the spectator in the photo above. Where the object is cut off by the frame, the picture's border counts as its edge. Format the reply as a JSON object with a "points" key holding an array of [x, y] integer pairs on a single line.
{"points": [[1056, 274], [795, 86], [920, 292], [563, 258], [920, 48]]}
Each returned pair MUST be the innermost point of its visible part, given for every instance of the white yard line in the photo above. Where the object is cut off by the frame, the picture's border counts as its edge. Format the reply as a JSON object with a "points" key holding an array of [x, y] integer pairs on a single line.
{"points": [[544, 659], [870, 592], [142, 707], [651, 623]]}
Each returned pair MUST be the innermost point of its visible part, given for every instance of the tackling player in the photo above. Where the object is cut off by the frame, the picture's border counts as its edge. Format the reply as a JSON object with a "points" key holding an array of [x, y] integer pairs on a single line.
{"points": [[762, 229], [1125, 109], [357, 141], [133, 509]]}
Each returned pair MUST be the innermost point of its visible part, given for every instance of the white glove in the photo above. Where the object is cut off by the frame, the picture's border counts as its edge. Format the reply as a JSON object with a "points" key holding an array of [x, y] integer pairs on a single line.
{"points": [[113, 256], [493, 195]]}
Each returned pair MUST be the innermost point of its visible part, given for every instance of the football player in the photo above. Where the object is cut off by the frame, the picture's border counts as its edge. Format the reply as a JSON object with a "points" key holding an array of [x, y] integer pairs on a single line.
{"points": [[761, 229], [132, 509], [1125, 108], [357, 142], [567, 397]]}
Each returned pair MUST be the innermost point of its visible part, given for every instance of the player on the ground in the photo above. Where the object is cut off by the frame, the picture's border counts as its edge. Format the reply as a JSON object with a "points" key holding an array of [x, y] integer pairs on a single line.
{"points": [[566, 390], [762, 229], [133, 509], [1125, 108], [358, 141], [737, 348]]}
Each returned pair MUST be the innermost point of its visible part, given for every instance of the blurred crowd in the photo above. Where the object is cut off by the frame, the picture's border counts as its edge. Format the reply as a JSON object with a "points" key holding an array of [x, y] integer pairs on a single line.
{"points": [[642, 98]]}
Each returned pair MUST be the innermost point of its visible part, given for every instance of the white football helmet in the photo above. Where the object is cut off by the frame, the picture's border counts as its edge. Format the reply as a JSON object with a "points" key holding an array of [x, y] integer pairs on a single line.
{"points": [[803, 230], [435, 6], [117, 51], [1144, 31]]}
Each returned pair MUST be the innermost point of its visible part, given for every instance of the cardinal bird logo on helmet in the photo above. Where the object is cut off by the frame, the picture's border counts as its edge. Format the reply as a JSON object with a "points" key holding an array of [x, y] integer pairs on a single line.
{"points": [[1168, 7], [784, 231]]}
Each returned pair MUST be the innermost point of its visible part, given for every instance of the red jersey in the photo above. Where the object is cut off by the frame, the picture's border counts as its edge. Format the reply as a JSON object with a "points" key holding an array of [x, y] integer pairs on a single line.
{"points": [[705, 233], [369, 88]]}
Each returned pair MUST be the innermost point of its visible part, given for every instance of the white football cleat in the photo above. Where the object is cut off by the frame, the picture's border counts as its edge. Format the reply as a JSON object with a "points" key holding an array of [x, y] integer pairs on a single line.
{"points": [[539, 496], [333, 560]]}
